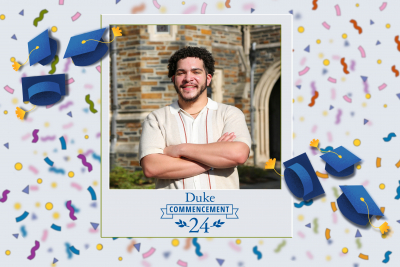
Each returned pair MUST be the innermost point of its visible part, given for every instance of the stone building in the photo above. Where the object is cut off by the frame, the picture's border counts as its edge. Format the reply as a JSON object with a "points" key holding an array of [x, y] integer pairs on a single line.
{"points": [[142, 86]]}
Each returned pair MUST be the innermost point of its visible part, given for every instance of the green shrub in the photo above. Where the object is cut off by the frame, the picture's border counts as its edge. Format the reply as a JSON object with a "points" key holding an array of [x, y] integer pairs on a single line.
{"points": [[250, 174], [121, 178]]}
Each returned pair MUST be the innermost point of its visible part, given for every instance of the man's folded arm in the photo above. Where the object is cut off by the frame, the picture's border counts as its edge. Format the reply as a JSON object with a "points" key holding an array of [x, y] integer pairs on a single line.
{"points": [[165, 167]]}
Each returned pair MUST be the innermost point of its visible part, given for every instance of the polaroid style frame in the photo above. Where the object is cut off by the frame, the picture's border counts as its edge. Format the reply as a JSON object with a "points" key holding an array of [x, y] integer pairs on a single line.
{"points": [[261, 213]]}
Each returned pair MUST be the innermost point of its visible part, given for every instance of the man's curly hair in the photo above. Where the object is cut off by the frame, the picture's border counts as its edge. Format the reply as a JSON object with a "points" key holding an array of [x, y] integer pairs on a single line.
{"points": [[189, 51]]}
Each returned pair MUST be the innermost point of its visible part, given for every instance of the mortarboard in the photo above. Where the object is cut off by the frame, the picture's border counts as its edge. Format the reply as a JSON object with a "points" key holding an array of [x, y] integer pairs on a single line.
{"points": [[340, 166], [87, 48], [353, 208], [43, 90], [301, 179]]}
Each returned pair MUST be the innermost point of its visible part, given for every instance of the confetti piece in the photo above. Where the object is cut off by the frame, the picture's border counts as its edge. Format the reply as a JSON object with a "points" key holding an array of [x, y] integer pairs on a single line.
{"points": [[389, 137], [337, 10], [96, 157], [63, 144], [26, 190], [227, 3], [356, 26], [382, 7], [55, 260], [8, 89], [203, 8], [342, 61], [98, 68], [326, 25], [40, 18], [16, 235], [315, 222], [53, 65], [76, 16], [387, 254], [52, 169], [182, 263], [347, 99], [280, 246], [61, 2], [304, 71], [322, 175], [256, 252], [51, 138], [84, 162], [69, 81], [315, 6], [358, 234], [44, 236], [198, 247], [22, 217], [362, 51], [339, 114], [333, 206], [334, 218], [190, 9], [55, 227], [71, 210], [66, 105], [148, 253], [70, 225], [235, 246], [33, 250], [68, 251], [92, 193], [383, 86], [362, 256], [327, 233], [48, 161], [69, 114], [66, 66], [301, 234], [220, 261], [4, 194], [313, 87], [313, 99], [90, 102], [395, 71], [21, 13], [188, 243], [77, 186], [69, 125], [74, 250], [309, 255], [23, 231], [6, 145], [307, 203], [332, 80], [378, 162]]}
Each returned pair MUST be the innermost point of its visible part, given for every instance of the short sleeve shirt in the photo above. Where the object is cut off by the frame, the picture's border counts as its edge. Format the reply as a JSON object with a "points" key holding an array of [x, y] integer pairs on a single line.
{"points": [[172, 125]]}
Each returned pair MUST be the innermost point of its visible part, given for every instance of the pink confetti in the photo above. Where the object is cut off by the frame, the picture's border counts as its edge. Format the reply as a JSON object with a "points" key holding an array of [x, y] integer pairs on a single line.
{"points": [[337, 10], [69, 125], [248, 6], [203, 8], [298, 82], [49, 106], [149, 253], [66, 67], [65, 138], [329, 137], [61, 2], [146, 264], [190, 9], [157, 5], [365, 183], [29, 119], [383, 86], [347, 99], [336, 57], [34, 187], [91, 230], [182, 263], [69, 81], [303, 60], [333, 93], [309, 255], [383, 6], [98, 68], [88, 152], [8, 89], [301, 234], [314, 129], [332, 80], [326, 25], [44, 236], [35, 171], [306, 69], [70, 225], [77, 186], [235, 247], [76, 16], [88, 86], [26, 136], [334, 218], [98, 135], [361, 49], [205, 256]]}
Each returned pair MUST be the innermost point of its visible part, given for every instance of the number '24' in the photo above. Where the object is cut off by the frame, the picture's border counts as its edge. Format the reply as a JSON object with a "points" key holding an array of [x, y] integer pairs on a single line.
{"points": [[201, 227]]}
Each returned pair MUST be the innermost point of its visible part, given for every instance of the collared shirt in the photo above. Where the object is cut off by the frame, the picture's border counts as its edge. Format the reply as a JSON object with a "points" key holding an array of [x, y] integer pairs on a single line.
{"points": [[172, 125]]}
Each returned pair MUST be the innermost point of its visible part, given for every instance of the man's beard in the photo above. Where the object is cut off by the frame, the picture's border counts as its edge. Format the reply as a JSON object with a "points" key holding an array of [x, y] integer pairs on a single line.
{"points": [[193, 99]]}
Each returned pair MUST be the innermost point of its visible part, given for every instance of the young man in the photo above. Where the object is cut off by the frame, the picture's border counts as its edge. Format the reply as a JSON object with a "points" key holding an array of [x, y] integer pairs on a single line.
{"points": [[195, 143]]}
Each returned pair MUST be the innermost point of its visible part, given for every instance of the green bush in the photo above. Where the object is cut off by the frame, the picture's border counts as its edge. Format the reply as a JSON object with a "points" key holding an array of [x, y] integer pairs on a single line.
{"points": [[121, 178], [250, 174]]}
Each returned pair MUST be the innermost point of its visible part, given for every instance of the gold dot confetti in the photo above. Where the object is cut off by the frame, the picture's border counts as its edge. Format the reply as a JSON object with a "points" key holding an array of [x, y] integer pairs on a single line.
{"points": [[238, 241], [320, 55], [388, 26], [99, 246], [56, 215], [183, 2], [18, 166], [120, 258], [379, 61], [2, 16], [345, 250], [12, 59], [364, 104], [54, 29], [49, 206], [385, 106], [95, 183], [300, 99], [175, 242], [54, 184], [86, 136], [318, 41], [14, 100], [17, 206], [357, 5], [71, 174], [326, 62], [300, 29], [344, 36], [5, 112], [300, 217], [8, 252], [301, 118], [357, 142], [163, 10], [37, 204], [382, 186], [358, 167], [46, 124], [325, 113], [260, 242], [368, 96], [39, 181]]}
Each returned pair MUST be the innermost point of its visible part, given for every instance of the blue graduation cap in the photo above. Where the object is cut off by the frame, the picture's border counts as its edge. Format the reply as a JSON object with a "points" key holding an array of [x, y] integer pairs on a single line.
{"points": [[43, 49], [43, 90], [353, 208], [301, 178], [341, 163], [86, 49]]}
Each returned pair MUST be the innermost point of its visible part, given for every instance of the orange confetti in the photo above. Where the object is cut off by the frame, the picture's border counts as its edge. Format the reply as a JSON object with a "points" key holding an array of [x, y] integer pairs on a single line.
{"points": [[327, 233], [321, 175], [378, 162], [333, 205], [362, 256]]}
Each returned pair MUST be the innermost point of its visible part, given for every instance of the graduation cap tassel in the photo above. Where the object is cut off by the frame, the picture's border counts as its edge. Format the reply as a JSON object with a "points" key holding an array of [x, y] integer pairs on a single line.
{"points": [[16, 65], [270, 165], [116, 32], [384, 227], [314, 143], [21, 113]]}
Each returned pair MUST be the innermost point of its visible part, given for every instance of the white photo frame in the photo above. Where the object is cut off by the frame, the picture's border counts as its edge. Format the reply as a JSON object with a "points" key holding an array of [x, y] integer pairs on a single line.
{"points": [[258, 213]]}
